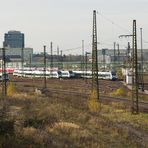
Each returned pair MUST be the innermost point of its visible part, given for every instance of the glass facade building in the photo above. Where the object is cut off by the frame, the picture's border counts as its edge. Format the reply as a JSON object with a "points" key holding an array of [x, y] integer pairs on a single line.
{"points": [[14, 39]]}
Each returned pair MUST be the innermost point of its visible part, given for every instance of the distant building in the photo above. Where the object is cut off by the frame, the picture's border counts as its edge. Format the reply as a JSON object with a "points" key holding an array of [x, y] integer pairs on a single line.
{"points": [[14, 39], [121, 56], [13, 61], [14, 45], [15, 52]]}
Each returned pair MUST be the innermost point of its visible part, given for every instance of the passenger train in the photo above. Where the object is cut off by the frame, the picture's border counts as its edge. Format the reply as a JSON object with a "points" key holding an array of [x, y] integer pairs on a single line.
{"points": [[63, 74]]}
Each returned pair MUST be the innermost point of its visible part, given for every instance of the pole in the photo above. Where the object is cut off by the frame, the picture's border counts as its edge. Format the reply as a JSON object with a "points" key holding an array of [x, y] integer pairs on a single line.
{"points": [[135, 81], [45, 83], [82, 68], [95, 83], [30, 61], [4, 82], [118, 54], [128, 52], [58, 57], [51, 60], [142, 80], [104, 53], [114, 54], [61, 60], [22, 54], [86, 66]]}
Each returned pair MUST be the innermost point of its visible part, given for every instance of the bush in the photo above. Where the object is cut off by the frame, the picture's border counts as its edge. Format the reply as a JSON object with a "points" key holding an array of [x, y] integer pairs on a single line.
{"points": [[120, 74], [11, 89], [119, 92], [93, 103]]}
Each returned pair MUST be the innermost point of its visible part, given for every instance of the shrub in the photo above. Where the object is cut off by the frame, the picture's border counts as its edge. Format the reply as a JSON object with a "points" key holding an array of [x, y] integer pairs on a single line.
{"points": [[11, 89], [119, 92], [93, 102], [120, 74]]}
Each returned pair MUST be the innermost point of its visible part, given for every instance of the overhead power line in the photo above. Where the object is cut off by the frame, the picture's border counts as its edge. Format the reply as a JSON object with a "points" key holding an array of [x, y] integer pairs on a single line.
{"points": [[119, 26], [113, 23]]}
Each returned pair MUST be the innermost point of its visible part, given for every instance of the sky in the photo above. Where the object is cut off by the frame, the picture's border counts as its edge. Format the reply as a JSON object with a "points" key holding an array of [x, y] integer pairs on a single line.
{"points": [[67, 22]]}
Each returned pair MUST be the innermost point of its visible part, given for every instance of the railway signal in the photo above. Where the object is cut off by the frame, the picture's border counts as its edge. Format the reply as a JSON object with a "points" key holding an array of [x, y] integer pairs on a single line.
{"points": [[95, 83]]}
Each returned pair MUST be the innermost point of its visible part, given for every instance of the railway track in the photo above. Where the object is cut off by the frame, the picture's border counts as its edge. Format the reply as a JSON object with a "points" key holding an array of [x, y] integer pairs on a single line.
{"points": [[77, 88], [143, 106]]}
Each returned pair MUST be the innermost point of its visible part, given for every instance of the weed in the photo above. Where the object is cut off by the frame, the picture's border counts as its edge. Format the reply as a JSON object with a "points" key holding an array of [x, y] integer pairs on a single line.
{"points": [[11, 89], [119, 92], [120, 75], [93, 104]]}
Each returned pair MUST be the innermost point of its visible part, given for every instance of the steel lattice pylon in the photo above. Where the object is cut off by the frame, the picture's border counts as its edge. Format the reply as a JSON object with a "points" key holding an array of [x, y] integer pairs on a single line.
{"points": [[135, 81], [95, 83]]}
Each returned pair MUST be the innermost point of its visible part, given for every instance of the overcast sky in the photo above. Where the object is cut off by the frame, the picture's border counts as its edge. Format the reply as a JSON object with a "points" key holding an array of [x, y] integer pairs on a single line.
{"points": [[67, 22]]}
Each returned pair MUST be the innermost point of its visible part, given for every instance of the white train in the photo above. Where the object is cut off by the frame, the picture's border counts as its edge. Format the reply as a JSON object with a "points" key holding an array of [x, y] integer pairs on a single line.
{"points": [[37, 73], [101, 75], [63, 74]]}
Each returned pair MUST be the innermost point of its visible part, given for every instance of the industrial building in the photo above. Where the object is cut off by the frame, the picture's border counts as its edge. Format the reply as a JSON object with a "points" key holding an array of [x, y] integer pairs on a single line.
{"points": [[109, 55]]}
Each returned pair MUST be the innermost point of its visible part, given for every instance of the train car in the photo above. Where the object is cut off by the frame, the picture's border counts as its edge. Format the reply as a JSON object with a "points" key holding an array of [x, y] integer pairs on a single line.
{"points": [[27, 73], [37, 73], [15, 72], [78, 74], [55, 74], [41, 74], [107, 75], [101, 75], [64, 74], [67, 74]]}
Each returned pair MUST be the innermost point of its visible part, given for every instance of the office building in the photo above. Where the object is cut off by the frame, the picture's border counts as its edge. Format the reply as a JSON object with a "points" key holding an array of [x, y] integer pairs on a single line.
{"points": [[14, 39]]}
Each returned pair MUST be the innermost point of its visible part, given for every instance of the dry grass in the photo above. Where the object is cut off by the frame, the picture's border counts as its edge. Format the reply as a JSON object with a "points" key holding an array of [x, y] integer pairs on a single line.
{"points": [[66, 121]]}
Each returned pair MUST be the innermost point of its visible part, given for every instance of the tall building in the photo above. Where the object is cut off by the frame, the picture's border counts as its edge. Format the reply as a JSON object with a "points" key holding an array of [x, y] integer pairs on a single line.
{"points": [[14, 42], [14, 39]]}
